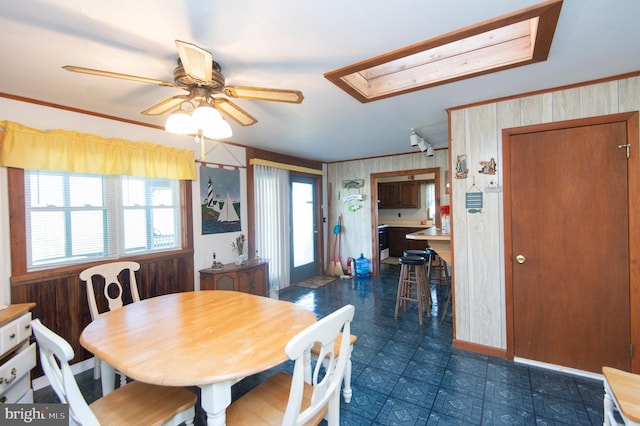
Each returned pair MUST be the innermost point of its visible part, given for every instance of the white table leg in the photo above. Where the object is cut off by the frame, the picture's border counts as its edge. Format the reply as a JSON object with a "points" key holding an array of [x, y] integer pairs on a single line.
{"points": [[215, 399], [108, 377]]}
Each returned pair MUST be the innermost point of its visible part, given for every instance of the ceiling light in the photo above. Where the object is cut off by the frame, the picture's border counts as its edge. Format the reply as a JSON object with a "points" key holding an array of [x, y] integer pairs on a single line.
{"points": [[512, 40], [417, 139], [414, 138], [204, 121], [179, 122]]}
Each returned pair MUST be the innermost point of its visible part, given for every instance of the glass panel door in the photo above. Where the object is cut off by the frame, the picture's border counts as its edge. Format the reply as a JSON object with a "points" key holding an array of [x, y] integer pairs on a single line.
{"points": [[304, 230]]}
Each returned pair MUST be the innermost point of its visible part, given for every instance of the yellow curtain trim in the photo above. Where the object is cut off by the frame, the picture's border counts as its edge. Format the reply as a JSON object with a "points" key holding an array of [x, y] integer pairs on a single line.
{"points": [[67, 150], [260, 162]]}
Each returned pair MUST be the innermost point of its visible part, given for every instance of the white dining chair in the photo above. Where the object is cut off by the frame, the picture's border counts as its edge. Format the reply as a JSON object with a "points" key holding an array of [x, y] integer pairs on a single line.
{"points": [[288, 399], [113, 291], [136, 403]]}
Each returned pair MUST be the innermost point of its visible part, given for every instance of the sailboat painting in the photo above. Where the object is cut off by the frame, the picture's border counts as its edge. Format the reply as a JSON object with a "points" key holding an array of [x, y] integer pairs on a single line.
{"points": [[220, 195]]}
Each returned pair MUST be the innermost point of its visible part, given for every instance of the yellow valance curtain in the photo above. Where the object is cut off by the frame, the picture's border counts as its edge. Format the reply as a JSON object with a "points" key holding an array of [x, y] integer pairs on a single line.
{"points": [[65, 150]]}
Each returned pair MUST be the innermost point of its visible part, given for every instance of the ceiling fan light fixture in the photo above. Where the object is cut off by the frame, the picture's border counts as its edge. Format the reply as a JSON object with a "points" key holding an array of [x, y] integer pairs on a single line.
{"points": [[210, 121], [205, 114], [218, 129], [179, 122]]}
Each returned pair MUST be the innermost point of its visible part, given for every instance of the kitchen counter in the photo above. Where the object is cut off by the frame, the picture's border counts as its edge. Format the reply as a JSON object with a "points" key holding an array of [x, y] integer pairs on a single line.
{"points": [[437, 240], [429, 234], [403, 225]]}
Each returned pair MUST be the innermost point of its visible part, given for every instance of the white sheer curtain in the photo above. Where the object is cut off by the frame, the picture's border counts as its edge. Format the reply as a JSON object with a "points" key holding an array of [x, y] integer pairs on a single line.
{"points": [[272, 223]]}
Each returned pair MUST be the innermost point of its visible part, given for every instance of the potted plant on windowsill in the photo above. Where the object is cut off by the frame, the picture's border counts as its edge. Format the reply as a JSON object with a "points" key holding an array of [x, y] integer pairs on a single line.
{"points": [[239, 248]]}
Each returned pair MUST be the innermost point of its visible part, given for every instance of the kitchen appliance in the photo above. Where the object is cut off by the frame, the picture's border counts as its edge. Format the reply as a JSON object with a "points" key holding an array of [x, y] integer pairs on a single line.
{"points": [[383, 241]]}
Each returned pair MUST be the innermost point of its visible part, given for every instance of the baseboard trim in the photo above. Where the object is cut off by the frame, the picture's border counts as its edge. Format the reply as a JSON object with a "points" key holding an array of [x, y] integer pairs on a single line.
{"points": [[482, 349], [559, 368], [77, 368]]}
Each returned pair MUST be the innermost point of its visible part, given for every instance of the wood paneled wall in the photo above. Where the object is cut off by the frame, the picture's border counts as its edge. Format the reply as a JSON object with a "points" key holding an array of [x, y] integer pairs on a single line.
{"points": [[358, 226], [478, 240], [61, 298]]}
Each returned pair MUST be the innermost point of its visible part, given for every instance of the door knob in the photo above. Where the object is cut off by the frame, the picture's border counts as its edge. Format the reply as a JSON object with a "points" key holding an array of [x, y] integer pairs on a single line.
{"points": [[520, 258]]}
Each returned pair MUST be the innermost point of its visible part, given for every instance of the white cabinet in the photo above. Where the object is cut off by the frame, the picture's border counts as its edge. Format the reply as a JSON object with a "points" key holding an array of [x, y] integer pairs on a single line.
{"points": [[17, 356]]}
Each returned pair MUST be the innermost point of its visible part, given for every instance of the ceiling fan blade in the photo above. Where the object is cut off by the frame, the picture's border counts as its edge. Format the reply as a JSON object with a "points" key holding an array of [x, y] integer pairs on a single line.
{"points": [[196, 61], [102, 73], [263, 94], [166, 105], [232, 110]]}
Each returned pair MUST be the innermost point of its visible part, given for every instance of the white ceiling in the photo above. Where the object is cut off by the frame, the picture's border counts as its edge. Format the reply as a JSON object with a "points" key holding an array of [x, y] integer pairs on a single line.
{"points": [[290, 44]]}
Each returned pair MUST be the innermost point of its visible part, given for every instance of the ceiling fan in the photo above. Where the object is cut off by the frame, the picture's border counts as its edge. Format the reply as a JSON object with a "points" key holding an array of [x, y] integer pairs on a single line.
{"points": [[201, 76]]}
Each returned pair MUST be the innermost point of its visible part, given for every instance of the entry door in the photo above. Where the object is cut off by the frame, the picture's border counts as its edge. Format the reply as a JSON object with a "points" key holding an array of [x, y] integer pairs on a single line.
{"points": [[304, 229], [570, 246]]}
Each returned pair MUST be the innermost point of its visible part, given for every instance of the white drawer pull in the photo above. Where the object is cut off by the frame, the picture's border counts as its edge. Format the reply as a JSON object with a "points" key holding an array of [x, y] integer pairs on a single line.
{"points": [[14, 374]]}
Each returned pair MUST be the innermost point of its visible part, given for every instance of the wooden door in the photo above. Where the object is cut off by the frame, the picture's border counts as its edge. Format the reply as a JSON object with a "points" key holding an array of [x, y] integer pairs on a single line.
{"points": [[568, 194]]}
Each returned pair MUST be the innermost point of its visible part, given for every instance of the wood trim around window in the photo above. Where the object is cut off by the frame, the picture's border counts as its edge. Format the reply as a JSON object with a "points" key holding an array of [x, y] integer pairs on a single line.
{"points": [[17, 228]]}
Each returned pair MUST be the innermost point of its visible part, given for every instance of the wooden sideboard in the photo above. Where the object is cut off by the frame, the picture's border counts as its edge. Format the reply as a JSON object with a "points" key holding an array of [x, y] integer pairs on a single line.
{"points": [[251, 277], [17, 355]]}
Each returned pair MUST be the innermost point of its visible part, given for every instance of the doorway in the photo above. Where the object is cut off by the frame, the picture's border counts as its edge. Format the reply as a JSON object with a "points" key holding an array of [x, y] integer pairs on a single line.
{"points": [[568, 194], [304, 228], [375, 178]]}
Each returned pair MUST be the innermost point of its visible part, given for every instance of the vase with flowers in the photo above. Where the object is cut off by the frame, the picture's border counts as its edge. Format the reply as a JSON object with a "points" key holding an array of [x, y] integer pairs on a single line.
{"points": [[239, 248]]}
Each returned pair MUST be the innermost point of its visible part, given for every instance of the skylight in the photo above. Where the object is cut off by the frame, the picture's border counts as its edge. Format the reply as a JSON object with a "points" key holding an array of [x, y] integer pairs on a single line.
{"points": [[520, 38]]}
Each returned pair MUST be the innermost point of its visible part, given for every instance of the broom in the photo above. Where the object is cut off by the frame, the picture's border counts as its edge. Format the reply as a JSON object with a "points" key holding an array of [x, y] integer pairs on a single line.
{"points": [[338, 265], [332, 264]]}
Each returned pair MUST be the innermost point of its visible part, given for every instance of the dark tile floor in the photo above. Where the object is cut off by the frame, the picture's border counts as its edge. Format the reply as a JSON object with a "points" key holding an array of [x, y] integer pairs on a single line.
{"points": [[407, 374]]}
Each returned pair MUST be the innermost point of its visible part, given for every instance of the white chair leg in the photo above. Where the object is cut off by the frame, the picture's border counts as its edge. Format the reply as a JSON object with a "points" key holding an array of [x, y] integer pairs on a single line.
{"points": [[123, 379], [96, 368], [347, 392]]}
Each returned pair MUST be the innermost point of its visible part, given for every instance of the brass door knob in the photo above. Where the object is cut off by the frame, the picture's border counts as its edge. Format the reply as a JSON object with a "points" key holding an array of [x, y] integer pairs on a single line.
{"points": [[521, 259]]}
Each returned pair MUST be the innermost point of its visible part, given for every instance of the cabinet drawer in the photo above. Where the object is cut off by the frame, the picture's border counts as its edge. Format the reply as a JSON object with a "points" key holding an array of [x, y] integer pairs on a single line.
{"points": [[16, 367], [17, 391], [15, 332]]}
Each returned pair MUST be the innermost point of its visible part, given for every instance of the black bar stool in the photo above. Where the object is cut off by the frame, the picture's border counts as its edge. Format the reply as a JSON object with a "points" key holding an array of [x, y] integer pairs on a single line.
{"points": [[412, 285]]}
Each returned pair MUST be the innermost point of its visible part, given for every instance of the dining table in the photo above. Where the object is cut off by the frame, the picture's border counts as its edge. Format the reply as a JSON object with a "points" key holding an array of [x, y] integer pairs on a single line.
{"points": [[209, 338], [439, 241]]}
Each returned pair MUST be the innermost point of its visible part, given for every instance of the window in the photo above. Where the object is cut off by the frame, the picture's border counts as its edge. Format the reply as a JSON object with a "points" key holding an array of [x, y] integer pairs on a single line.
{"points": [[74, 218]]}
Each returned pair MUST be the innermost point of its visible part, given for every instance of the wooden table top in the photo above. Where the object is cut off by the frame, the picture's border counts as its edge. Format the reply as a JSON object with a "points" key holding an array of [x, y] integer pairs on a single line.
{"points": [[626, 388], [196, 338]]}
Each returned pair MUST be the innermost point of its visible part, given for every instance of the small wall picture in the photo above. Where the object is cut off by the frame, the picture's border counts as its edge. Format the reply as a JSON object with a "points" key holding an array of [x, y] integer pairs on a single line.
{"points": [[488, 167], [461, 167]]}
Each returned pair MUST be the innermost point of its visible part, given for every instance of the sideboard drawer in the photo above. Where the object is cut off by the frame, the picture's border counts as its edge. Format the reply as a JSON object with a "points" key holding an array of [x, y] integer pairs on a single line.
{"points": [[14, 332], [14, 394], [16, 367]]}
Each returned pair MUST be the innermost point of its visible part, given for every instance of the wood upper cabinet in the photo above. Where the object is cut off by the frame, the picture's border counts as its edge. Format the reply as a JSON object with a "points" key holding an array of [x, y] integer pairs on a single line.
{"points": [[399, 195], [409, 193], [388, 195], [251, 277]]}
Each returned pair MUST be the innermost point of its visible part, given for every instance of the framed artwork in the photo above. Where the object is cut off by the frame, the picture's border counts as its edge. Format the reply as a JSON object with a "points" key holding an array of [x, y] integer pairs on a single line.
{"points": [[220, 195], [447, 184]]}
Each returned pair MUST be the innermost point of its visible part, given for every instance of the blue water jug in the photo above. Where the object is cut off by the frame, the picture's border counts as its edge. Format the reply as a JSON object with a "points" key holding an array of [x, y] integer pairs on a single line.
{"points": [[362, 267]]}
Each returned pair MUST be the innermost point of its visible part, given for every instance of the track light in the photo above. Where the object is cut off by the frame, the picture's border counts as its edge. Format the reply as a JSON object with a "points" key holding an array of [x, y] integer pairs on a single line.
{"points": [[415, 139]]}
